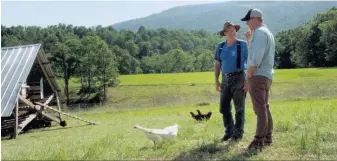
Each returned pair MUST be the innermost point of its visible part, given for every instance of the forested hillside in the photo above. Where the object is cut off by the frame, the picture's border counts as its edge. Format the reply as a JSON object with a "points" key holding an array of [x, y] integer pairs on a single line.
{"points": [[279, 15]]}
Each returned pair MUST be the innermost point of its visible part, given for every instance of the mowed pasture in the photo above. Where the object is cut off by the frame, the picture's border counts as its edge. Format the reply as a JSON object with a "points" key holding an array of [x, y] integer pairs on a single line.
{"points": [[303, 103]]}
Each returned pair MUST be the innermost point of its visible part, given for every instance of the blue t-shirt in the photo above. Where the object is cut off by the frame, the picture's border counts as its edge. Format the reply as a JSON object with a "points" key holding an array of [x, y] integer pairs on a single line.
{"points": [[228, 56]]}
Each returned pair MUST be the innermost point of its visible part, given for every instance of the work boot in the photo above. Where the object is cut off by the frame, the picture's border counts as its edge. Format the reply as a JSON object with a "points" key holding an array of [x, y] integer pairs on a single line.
{"points": [[268, 140], [256, 144], [226, 137]]}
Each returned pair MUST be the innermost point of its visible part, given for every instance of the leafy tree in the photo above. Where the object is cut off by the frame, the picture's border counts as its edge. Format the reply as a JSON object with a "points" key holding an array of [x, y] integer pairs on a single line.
{"points": [[66, 62]]}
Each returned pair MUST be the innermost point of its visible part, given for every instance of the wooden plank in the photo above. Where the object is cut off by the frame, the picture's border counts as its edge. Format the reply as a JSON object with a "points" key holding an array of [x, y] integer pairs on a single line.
{"points": [[7, 126], [16, 119], [27, 102], [45, 72], [49, 99], [25, 108], [58, 105], [75, 117], [40, 109], [23, 124], [33, 83], [35, 97], [41, 89], [33, 93], [50, 117], [11, 121], [34, 88]]}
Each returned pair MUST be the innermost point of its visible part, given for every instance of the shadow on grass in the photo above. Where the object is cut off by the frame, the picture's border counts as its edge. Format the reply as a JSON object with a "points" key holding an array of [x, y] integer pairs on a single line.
{"points": [[215, 151], [157, 146], [32, 131], [242, 155], [56, 128]]}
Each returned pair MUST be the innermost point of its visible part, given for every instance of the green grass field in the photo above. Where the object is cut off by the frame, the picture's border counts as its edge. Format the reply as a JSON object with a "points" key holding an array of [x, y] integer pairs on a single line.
{"points": [[303, 103]]}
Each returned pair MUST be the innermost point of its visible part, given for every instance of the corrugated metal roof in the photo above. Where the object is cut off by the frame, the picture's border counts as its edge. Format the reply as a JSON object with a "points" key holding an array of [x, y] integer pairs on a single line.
{"points": [[16, 63]]}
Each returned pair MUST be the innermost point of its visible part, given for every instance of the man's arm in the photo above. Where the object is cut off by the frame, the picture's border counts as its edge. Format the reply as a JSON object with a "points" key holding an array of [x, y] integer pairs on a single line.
{"points": [[245, 58], [259, 45], [216, 71], [245, 53], [250, 71], [217, 67]]}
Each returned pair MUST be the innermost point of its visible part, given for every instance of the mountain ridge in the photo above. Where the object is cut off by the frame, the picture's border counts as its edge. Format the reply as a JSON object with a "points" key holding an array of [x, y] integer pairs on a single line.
{"points": [[210, 17]]}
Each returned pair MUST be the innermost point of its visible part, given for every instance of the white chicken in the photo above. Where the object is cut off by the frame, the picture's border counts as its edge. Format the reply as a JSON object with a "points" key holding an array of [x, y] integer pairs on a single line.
{"points": [[159, 135]]}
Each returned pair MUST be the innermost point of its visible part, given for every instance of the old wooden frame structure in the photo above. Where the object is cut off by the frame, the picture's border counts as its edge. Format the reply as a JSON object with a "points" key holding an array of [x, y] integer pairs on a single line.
{"points": [[30, 95]]}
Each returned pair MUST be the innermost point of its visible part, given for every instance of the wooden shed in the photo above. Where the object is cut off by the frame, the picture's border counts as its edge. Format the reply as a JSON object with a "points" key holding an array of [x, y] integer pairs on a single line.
{"points": [[28, 86]]}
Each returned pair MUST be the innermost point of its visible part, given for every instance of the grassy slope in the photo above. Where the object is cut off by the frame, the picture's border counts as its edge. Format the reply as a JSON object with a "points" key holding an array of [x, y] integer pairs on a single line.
{"points": [[167, 89], [304, 128]]}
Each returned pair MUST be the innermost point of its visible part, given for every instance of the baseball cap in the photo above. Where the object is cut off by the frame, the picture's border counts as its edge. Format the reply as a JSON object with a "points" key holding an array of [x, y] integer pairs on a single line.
{"points": [[252, 13]]}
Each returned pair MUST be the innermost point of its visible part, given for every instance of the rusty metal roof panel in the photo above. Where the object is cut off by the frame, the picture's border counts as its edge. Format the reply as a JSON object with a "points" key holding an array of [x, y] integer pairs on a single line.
{"points": [[16, 63]]}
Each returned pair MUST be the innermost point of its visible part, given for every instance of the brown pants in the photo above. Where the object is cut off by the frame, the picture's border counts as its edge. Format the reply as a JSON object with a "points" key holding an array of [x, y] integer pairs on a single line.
{"points": [[259, 89]]}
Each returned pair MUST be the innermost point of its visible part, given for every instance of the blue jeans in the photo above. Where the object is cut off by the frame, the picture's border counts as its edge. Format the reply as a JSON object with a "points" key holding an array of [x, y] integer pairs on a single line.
{"points": [[233, 90]]}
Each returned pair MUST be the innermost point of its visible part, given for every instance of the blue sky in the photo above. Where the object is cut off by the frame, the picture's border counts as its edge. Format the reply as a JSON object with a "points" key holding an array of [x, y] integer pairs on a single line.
{"points": [[86, 13]]}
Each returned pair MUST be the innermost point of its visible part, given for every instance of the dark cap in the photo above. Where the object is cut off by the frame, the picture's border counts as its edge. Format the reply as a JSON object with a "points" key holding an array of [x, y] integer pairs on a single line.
{"points": [[252, 13]]}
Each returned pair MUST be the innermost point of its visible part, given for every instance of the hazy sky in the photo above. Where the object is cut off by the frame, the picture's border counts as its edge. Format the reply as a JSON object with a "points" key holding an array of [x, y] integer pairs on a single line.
{"points": [[87, 13]]}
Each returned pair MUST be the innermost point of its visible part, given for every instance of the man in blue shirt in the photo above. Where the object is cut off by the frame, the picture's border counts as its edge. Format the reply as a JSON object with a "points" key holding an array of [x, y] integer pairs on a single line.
{"points": [[260, 74], [231, 57]]}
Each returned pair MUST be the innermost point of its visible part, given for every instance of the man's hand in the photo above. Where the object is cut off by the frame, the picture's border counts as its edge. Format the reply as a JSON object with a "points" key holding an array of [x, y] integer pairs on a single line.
{"points": [[245, 87], [216, 74], [249, 75], [218, 86], [248, 35], [250, 71]]}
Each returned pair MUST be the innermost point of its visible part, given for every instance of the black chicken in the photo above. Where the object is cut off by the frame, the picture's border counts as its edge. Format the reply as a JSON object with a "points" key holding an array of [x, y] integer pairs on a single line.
{"points": [[200, 116]]}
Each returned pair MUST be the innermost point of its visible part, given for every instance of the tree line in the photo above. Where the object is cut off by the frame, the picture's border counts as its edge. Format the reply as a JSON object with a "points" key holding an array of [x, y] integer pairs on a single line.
{"points": [[313, 44], [97, 55]]}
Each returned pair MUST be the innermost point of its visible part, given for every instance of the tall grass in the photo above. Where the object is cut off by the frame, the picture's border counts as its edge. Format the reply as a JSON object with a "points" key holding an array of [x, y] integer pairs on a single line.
{"points": [[304, 123]]}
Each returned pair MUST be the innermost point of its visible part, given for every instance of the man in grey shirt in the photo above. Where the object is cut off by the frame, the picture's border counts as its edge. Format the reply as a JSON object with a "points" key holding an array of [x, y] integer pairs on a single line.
{"points": [[260, 73]]}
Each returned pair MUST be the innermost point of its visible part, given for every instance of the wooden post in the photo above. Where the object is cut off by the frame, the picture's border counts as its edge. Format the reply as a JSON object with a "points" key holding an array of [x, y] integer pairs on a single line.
{"points": [[16, 119], [59, 105], [41, 88]]}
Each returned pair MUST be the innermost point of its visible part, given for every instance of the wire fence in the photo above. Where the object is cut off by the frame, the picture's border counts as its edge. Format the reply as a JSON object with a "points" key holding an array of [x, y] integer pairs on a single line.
{"points": [[84, 106]]}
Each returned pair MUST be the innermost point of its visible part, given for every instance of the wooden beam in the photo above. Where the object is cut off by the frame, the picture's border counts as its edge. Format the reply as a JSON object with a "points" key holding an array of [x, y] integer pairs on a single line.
{"points": [[58, 105], [39, 109], [34, 88], [75, 117], [50, 116], [35, 97], [11, 121], [44, 70], [27, 102], [23, 124], [47, 71], [16, 118], [49, 99], [41, 89]]}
